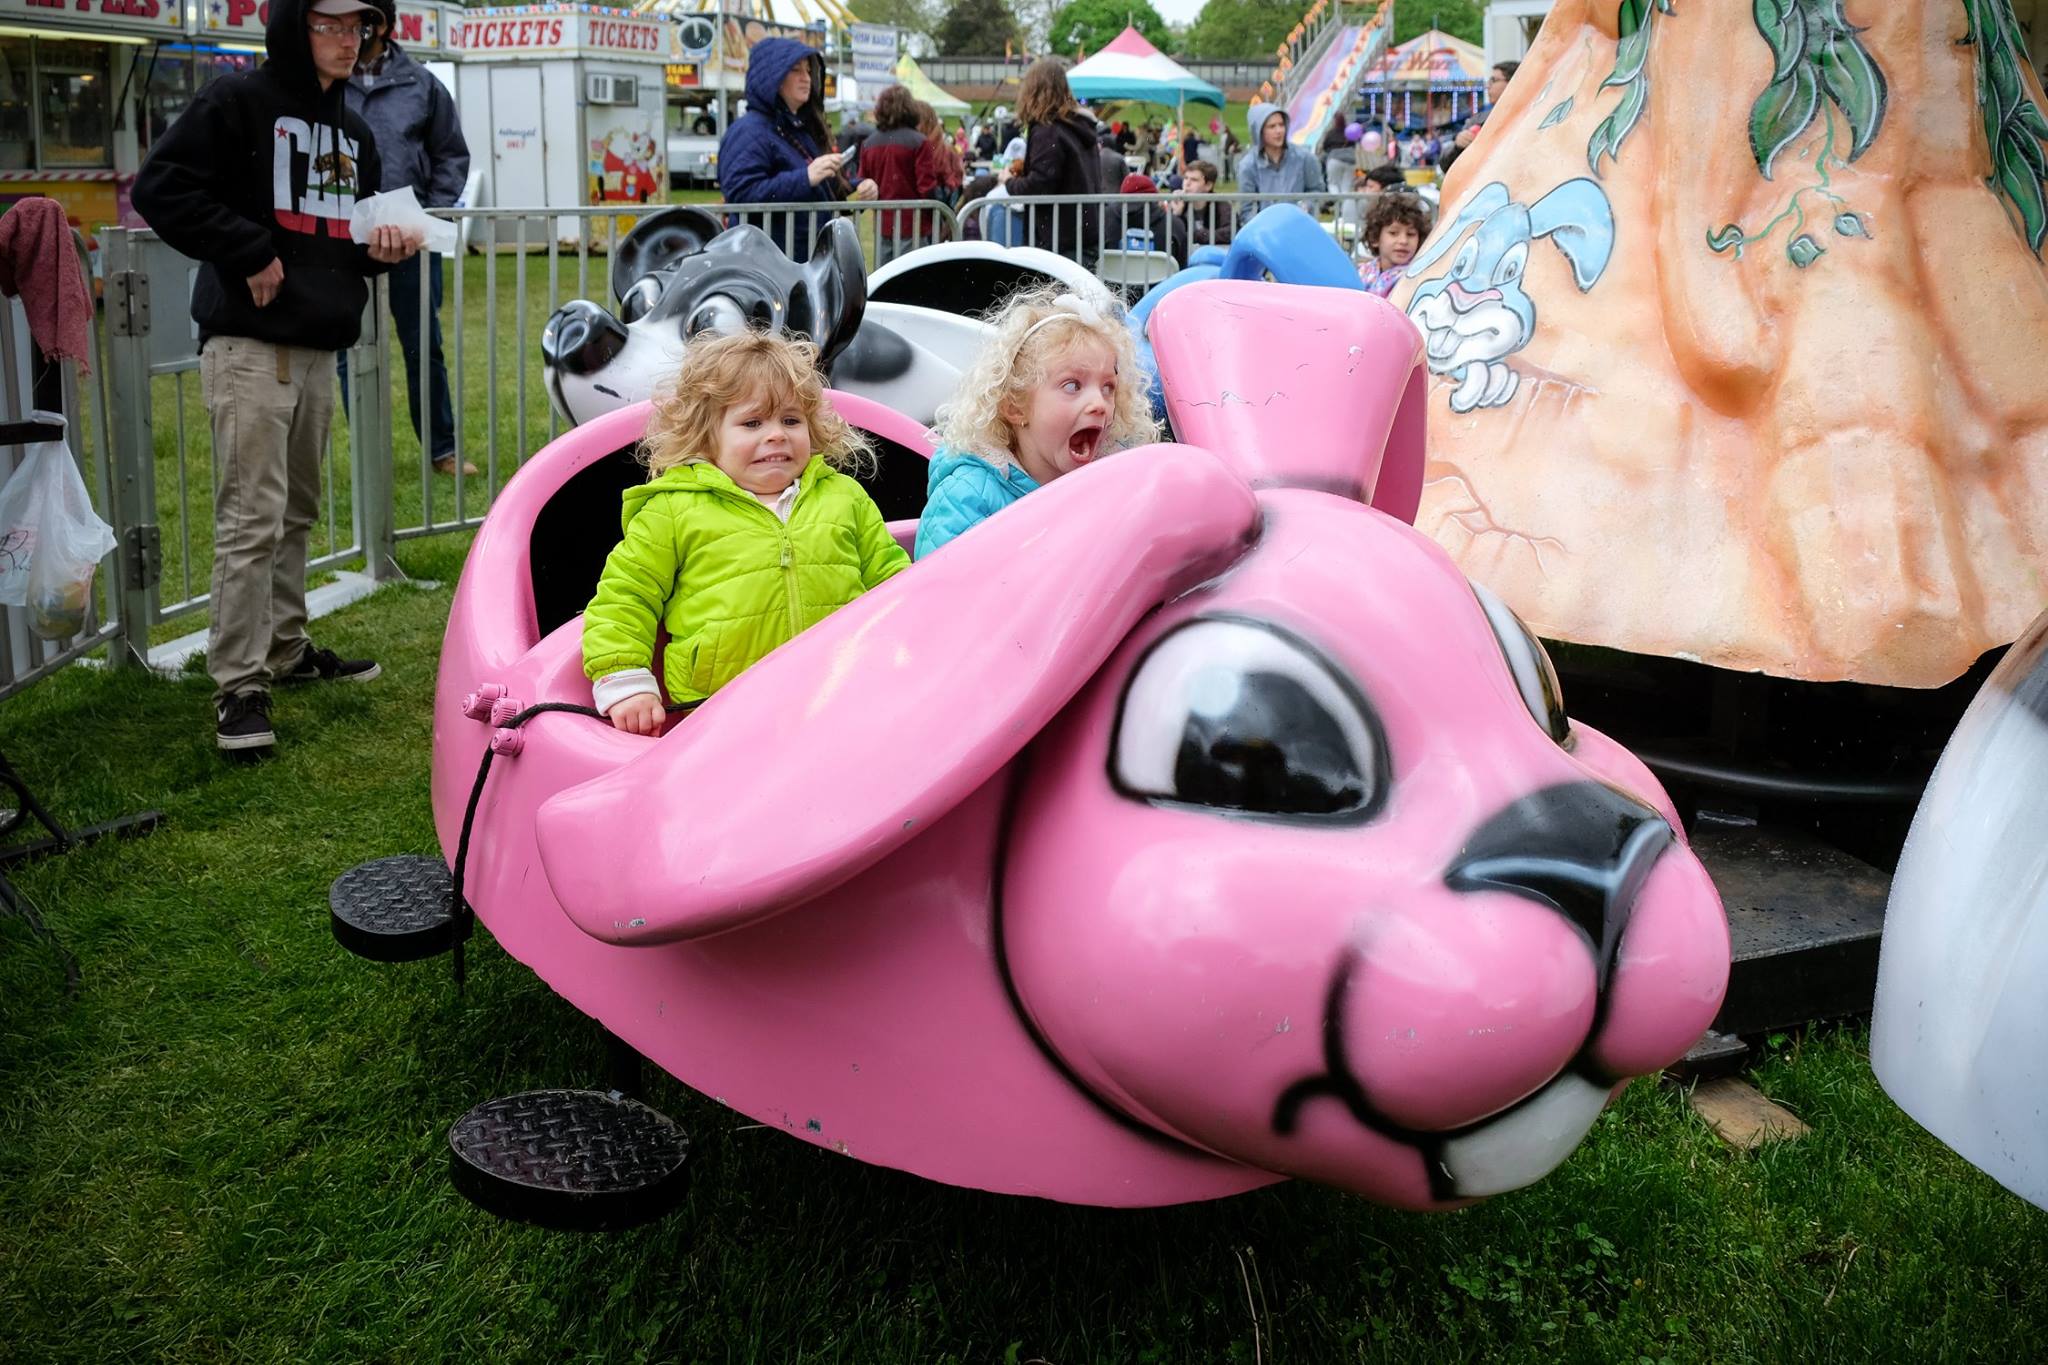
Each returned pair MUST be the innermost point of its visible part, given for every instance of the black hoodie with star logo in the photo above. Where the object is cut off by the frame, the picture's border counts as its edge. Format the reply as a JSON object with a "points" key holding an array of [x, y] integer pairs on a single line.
{"points": [[268, 165]]}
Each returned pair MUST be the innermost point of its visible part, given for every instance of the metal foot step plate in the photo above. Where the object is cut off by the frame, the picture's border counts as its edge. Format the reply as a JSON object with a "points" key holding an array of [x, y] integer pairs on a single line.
{"points": [[577, 1160], [395, 909], [1804, 921]]}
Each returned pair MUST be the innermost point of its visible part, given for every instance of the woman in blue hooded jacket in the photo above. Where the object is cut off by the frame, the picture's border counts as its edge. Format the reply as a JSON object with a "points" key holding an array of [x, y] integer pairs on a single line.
{"points": [[778, 152]]}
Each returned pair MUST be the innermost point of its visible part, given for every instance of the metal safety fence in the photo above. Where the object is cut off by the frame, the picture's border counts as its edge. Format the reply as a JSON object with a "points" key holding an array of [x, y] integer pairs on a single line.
{"points": [[382, 481], [25, 656]]}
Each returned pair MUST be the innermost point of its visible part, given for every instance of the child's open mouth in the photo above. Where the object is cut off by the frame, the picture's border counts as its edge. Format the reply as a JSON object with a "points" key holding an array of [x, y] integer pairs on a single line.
{"points": [[1083, 444]]}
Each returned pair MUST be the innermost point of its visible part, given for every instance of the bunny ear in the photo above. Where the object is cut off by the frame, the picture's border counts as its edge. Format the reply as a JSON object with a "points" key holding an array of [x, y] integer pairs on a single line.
{"points": [[1580, 222], [1484, 203], [850, 740], [1398, 490], [1295, 386]]}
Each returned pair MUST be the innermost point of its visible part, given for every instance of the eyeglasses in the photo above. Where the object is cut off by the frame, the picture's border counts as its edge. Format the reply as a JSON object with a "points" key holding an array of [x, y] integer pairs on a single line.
{"points": [[360, 32]]}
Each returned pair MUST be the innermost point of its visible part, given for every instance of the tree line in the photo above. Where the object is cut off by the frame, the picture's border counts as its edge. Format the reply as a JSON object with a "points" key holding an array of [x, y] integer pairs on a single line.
{"points": [[1224, 30]]}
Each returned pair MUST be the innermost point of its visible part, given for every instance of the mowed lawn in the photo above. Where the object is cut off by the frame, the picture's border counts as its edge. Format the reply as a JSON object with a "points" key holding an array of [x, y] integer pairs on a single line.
{"points": [[230, 1144]]}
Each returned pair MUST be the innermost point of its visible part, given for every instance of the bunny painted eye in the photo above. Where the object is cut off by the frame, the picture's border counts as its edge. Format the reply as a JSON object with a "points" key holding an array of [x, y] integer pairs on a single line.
{"points": [[1237, 715], [645, 293], [1513, 262], [1529, 662], [716, 314], [1468, 257]]}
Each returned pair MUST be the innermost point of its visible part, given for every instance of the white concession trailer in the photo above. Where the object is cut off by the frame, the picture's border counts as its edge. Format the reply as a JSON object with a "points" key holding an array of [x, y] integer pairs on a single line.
{"points": [[562, 106]]}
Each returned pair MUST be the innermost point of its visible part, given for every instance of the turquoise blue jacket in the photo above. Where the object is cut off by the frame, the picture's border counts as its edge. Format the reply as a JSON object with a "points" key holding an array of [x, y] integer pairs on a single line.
{"points": [[964, 490]]}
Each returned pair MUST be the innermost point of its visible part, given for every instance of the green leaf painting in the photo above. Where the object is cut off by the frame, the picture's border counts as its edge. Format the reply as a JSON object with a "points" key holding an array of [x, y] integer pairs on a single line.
{"points": [[1558, 114], [1803, 250], [2013, 124], [1631, 58], [1815, 55], [1819, 71]]}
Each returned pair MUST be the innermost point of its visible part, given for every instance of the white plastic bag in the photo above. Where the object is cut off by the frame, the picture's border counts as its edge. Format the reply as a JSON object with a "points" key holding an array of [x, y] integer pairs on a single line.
{"points": [[50, 539], [400, 209]]}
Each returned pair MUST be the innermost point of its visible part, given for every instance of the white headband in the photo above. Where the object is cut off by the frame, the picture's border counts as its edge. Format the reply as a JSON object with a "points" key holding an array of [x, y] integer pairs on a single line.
{"points": [[1066, 308]]}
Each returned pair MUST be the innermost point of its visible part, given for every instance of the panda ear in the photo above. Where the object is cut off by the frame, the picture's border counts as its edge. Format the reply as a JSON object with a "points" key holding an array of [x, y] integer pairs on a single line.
{"points": [[659, 239], [836, 277]]}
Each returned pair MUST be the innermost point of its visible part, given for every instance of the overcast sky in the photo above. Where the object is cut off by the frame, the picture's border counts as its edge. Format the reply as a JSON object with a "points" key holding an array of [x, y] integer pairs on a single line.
{"points": [[1178, 11]]}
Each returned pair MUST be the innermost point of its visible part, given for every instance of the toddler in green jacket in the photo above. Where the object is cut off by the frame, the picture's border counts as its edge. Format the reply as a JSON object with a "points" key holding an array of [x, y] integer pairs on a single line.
{"points": [[744, 534]]}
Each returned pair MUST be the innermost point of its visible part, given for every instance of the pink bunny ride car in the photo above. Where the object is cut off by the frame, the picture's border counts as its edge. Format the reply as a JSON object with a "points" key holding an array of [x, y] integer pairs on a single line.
{"points": [[1188, 826]]}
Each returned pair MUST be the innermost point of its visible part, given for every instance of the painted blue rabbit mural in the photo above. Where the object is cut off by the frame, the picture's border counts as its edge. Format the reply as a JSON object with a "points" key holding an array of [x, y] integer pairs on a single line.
{"points": [[1479, 314]]}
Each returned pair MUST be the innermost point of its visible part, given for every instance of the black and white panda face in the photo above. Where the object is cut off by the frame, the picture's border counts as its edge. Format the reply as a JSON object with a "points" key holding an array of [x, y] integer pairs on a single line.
{"points": [[740, 280], [680, 273]]}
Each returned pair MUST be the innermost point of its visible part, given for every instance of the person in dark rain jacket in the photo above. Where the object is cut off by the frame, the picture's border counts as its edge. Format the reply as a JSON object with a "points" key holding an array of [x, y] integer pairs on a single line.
{"points": [[1059, 158], [778, 152], [420, 143], [257, 181]]}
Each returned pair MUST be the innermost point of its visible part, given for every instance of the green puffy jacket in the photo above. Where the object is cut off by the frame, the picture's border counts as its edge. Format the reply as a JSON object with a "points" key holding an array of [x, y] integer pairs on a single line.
{"points": [[727, 578]]}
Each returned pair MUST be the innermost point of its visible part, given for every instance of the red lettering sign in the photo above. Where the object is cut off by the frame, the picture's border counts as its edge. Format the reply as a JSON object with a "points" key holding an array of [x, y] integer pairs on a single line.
{"points": [[624, 36], [410, 27], [501, 33]]}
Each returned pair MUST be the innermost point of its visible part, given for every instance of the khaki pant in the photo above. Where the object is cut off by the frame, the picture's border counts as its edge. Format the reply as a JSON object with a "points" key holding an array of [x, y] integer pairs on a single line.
{"points": [[271, 408]]}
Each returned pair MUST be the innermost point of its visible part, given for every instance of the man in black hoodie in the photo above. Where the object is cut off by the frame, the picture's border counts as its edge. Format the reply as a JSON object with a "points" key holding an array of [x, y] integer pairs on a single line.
{"points": [[257, 181]]}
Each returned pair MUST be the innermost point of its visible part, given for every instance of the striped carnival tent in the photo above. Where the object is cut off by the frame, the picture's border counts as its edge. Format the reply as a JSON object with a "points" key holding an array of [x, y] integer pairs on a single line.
{"points": [[1132, 69]]}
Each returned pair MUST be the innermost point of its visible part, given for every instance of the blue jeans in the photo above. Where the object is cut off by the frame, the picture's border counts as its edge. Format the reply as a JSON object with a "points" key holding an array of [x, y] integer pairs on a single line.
{"points": [[405, 316], [1000, 228]]}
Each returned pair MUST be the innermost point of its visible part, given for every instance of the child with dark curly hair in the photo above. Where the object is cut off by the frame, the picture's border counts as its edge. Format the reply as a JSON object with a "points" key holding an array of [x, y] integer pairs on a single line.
{"points": [[1394, 229]]}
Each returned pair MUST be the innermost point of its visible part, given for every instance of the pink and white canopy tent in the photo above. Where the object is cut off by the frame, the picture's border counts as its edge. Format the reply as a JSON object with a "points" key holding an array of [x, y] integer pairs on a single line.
{"points": [[1130, 68]]}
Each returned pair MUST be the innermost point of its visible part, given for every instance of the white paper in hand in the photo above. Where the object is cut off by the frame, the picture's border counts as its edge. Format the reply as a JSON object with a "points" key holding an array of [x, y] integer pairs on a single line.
{"points": [[400, 209]]}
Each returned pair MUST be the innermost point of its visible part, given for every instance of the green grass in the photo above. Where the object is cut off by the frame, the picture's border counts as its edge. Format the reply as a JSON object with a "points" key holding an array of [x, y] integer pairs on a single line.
{"points": [[229, 1145]]}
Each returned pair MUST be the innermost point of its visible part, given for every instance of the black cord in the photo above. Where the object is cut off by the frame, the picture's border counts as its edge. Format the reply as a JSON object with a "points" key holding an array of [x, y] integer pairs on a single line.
{"points": [[459, 908]]}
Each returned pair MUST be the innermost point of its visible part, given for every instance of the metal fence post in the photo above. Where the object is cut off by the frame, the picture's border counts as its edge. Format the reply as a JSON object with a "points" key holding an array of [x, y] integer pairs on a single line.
{"points": [[369, 438], [131, 449]]}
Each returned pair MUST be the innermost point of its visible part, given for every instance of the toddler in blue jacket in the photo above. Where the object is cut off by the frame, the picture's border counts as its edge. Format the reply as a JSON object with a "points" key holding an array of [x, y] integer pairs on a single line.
{"points": [[1056, 386]]}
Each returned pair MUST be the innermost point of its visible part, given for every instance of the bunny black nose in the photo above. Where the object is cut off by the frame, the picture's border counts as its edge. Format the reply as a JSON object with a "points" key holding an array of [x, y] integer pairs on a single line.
{"points": [[1583, 849], [582, 338]]}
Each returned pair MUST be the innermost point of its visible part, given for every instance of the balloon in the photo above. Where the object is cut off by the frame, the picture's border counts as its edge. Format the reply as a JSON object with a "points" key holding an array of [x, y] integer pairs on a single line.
{"points": [[1353, 132], [1372, 142]]}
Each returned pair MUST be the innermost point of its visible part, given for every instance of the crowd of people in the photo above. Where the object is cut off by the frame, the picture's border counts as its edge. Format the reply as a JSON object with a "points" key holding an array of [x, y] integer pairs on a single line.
{"points": [[744, 453], [1054, 147]]}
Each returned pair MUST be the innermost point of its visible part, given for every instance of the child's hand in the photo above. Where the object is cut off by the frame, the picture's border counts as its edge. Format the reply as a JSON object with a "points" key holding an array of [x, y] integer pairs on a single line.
{"points": [[638, 715]]}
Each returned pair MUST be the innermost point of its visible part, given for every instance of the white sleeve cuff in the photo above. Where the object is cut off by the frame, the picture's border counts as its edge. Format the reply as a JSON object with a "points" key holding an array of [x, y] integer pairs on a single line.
{"points": [[614, 688]]}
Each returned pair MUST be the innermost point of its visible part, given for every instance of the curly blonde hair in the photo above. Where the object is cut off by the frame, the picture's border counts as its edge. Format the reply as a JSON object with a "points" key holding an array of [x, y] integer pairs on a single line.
{"points": [[1013, 363], [721, 369]]}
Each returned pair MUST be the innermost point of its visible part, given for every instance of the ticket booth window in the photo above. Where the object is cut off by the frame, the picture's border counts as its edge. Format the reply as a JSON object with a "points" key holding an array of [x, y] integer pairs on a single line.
{"points": [[75, 98], [17, 118]]}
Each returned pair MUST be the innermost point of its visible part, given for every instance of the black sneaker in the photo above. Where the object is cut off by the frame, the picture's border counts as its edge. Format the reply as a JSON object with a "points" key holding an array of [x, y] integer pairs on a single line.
{"points": [[245, 722], [324, 665]]}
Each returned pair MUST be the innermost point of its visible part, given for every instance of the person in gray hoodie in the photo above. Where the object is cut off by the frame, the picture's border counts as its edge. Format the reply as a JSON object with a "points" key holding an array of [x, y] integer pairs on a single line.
{"points": [[1272, 165], [412, 116]]}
